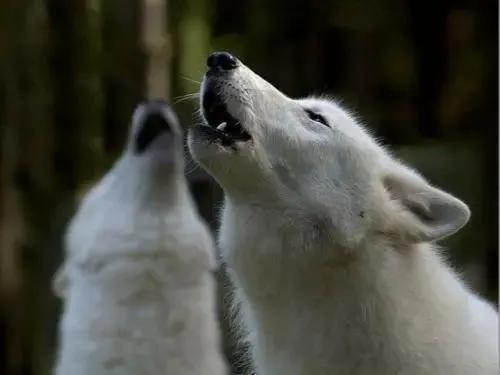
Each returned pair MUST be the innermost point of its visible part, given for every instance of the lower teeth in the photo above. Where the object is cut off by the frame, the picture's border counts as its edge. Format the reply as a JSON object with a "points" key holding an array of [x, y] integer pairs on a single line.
{"points": [[222, 126]]}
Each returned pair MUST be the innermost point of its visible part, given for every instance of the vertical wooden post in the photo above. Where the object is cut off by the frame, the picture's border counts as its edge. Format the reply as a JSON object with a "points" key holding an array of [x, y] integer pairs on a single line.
{"points": [[155, 40]]}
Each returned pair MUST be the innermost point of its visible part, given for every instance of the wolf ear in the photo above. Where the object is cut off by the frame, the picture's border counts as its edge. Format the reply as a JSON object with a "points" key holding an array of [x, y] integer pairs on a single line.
{"points": [[424, 212]]}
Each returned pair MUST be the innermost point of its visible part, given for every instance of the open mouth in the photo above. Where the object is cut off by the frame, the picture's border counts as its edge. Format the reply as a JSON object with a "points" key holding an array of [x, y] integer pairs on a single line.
{"points": [[222, 124]]}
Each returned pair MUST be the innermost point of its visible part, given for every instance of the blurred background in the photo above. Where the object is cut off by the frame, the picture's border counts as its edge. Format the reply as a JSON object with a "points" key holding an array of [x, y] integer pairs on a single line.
{"points": [[422, 75]]}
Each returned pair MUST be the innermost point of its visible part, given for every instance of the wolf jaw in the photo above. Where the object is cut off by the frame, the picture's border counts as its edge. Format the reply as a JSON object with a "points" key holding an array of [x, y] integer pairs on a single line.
{"points": [[328, 242], [224, 126]]}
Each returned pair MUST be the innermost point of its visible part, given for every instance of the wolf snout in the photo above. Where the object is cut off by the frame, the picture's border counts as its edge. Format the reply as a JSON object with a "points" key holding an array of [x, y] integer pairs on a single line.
{"points": [[151, 119], [222, 61]]}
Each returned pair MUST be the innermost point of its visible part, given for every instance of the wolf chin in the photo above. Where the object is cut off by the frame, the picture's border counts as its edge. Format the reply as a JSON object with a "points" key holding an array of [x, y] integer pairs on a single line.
{"points": [[330, 241]]}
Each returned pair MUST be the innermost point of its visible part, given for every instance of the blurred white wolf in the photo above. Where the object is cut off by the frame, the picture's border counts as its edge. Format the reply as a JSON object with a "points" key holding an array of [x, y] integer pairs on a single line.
{"points": [[329, 240], [139, 298]]}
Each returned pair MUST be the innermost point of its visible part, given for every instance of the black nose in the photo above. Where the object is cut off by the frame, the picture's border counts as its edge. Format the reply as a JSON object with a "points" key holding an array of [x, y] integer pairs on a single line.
{"points": [[223, 60]]}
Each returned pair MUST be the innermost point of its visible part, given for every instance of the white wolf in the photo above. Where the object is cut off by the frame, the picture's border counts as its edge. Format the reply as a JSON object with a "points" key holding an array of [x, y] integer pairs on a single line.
{"points": [[330, 241], [137, 283]]}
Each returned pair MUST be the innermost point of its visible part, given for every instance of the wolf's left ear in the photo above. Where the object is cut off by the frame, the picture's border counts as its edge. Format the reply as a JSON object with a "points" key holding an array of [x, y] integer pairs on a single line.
{"points": [[424, 213]]}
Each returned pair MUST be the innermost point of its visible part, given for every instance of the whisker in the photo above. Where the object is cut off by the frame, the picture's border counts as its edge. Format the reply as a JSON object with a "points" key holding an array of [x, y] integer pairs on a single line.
{"points": [[190, 80], [191, 166], [193, 169], [182, 98], [260, 90], [198, 114]]}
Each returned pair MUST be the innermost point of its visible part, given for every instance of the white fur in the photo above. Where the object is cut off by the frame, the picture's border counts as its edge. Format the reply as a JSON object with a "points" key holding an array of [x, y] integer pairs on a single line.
{"points": [[139, 296], [329, 243]]}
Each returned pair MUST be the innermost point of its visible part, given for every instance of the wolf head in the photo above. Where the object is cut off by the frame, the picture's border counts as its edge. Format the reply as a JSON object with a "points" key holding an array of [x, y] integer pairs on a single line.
{"points": [[152, 159], [312, 157], [155, 136], [125, 209]]}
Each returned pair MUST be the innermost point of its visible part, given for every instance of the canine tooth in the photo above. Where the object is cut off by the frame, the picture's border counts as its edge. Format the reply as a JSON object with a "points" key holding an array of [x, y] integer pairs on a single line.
{"points": [[222, 126]]}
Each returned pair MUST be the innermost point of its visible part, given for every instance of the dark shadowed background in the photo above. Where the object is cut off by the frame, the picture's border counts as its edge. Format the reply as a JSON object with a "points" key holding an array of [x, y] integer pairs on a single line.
{"points": [[422, 75]]}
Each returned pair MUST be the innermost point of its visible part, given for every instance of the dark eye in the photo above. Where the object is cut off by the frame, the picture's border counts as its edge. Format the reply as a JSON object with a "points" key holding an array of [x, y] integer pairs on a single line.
{"points": [[316, 117]]}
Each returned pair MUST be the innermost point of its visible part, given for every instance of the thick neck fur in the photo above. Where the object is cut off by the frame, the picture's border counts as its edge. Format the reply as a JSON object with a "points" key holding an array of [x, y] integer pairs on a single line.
{"points": [[313, 308], [138, 206], [139, 295], [150, 182]]}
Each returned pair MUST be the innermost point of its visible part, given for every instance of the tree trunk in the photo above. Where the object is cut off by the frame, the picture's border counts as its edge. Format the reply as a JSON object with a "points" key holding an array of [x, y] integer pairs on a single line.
{"points": [[155, 40], [26, 183]]}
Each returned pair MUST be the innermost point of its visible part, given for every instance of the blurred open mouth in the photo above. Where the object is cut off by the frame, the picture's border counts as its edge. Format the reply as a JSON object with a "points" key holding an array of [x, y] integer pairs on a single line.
{"points": [[221, 125]]}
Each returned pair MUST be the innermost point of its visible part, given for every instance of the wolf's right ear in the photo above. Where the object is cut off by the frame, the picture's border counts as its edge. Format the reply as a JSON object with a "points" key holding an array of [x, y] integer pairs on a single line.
{"points": [[423, 212]]}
